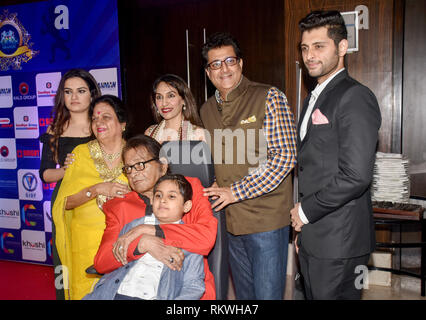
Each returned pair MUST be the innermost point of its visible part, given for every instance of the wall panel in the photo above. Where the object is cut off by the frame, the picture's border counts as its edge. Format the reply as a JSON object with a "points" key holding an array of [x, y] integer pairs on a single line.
{"points": [[372, 65]]}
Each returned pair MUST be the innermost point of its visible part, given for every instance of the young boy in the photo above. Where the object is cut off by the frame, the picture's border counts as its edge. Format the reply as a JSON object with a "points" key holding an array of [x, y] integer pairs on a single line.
{"points": [[148, 278]]}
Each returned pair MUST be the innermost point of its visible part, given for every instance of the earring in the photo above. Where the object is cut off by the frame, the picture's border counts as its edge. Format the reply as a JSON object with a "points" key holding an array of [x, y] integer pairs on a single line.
{"points": [[184, 108]]}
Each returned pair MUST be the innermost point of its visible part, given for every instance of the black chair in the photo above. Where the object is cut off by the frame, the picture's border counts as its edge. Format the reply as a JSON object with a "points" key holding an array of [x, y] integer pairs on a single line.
{"points": [[193, 159]]}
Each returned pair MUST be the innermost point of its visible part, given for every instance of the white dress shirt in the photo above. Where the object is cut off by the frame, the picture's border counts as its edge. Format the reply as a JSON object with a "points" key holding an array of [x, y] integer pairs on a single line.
{"points": [[143, 278], [303, 127]]}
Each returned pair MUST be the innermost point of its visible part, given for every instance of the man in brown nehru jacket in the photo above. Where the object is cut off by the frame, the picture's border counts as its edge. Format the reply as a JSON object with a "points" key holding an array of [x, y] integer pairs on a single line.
{"points": [[253, 140]]}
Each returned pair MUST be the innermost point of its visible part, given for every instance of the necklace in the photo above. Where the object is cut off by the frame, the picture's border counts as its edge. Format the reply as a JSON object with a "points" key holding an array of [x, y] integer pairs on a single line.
{"points": [[110, 157], [159, 130]]}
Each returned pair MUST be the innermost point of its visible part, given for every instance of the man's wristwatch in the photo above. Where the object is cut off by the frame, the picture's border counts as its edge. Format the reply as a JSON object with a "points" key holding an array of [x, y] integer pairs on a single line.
{"points": [[88, 194]]}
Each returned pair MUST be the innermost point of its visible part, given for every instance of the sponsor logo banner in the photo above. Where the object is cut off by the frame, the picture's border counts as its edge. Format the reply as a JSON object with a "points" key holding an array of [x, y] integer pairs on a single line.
{"points": [[10, 245], [10, 214], [47, 84], [28, 153], [7, 129], [33, 245], [24, 91], [6, 96], [8, 154], [32, 216], [107, 80], [26, 122], [29, 185], [44, 118]]}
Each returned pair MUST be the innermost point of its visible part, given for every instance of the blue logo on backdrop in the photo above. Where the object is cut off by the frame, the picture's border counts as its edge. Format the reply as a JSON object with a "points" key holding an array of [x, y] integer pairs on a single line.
{"points": [[6, 124], [29, 181], [9, 39], [24, 89], [4, 151], [14, 42]]}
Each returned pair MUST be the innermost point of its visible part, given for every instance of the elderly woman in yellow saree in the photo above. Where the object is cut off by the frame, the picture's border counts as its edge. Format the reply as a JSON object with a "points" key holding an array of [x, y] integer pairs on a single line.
{"points": [[94, 177]]}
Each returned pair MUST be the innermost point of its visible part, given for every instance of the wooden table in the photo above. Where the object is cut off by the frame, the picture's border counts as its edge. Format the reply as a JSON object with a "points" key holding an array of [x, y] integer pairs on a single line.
{"points": [[396, 213]]}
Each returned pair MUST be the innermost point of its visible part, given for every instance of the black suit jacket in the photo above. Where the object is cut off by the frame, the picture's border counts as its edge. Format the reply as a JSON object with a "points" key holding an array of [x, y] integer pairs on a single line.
{"points": [[336, 163]]}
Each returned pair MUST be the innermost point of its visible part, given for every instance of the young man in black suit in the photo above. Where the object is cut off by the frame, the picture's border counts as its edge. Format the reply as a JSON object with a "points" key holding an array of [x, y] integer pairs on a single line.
{"points": [[337, 139]]}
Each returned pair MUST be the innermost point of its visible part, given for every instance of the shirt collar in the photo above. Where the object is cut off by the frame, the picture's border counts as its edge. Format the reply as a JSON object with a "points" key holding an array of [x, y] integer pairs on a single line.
{"points": [[219, 97], [320, 87]]}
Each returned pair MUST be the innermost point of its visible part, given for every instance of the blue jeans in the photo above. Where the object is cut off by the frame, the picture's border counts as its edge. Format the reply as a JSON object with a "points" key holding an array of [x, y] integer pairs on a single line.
{"points": [[259, 264]]}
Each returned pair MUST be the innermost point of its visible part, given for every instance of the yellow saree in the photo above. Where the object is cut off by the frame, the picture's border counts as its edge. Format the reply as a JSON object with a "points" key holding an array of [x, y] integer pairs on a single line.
{"points": [[79, 231]]}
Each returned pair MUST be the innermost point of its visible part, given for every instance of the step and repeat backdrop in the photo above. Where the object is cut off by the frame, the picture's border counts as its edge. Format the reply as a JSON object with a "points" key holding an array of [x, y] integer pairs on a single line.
{"points": [[39, 42]]}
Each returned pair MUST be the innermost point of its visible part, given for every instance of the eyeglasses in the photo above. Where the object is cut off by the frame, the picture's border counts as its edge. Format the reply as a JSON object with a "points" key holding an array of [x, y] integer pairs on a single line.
{"points": [[138, 166], [217, 64]]}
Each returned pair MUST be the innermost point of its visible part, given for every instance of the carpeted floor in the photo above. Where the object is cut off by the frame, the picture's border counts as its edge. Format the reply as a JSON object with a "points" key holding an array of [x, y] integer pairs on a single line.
{"points": [[24, 281]]}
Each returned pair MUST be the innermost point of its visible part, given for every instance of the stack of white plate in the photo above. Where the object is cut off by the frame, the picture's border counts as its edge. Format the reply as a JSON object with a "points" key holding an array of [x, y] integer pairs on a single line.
{"points": [[391, 181]]}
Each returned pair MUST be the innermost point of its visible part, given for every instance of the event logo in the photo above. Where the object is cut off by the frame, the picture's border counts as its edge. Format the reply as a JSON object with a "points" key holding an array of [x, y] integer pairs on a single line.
{"points": [[29, 181], [15, 47], [23, 88], [3, 239], [24, 96], [5, 123], [6, 97], [4, 151], [111, 85], [26, 122], [33, 245], [47, 84], [9, 214], [107, 80], [8, 154], [28, 154], [30, 186], [7, 128], [45, 122], [24, 215], [27, 150]]}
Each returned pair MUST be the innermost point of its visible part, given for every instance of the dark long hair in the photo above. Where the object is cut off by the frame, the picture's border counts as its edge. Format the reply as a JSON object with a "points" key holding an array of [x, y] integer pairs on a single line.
{"points": [[190, 113], [60, 113]]}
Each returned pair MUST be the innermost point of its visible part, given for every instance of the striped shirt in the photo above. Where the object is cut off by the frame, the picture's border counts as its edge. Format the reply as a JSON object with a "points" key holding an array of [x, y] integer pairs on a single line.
{"points": [[281, 137]]}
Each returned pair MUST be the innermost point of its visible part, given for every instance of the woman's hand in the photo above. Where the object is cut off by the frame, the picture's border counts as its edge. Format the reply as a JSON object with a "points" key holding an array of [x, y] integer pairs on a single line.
{"points": [[121, 246], [68, 161], [110, 189], [172, 257]]}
